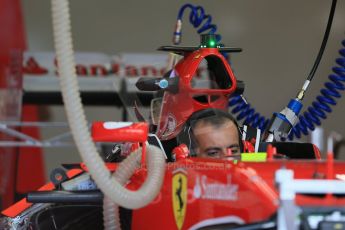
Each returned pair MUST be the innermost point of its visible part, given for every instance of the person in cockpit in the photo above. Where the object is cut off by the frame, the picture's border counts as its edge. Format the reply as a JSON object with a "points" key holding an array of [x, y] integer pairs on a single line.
{"points": [[212, 133]]}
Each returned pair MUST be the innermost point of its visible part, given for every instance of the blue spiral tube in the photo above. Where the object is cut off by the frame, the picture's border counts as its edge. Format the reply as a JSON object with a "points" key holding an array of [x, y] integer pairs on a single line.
{"points": [[322, 105], [312, 116], [198, 19], [245, 111], [314, 113]]}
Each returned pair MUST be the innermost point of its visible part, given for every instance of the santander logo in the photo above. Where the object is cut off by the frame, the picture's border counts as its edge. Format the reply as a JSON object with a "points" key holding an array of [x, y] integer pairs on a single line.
{"points": [[206, 189]]}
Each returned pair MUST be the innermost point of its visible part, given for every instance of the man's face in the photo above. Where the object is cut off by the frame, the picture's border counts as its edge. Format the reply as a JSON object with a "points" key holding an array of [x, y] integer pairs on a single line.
{"points": [[213, 141]]}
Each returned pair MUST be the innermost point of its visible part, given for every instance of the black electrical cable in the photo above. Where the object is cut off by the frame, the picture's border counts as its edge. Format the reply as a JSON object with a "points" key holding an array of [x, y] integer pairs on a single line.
{"points": [[320, 106], [324, 41]]}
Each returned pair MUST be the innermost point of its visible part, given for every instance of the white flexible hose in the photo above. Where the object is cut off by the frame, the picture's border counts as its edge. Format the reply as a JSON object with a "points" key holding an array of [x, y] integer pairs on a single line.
{"points": [[111, 216], [78, 124], [111, 213]]}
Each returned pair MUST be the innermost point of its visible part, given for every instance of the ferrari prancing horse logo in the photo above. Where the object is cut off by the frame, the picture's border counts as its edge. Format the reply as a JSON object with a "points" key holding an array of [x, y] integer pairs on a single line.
{"points": [[179, 196]]}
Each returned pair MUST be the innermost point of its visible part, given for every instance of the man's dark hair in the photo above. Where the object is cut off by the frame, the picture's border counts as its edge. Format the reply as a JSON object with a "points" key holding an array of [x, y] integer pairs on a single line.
{"points": [[215, 117]]}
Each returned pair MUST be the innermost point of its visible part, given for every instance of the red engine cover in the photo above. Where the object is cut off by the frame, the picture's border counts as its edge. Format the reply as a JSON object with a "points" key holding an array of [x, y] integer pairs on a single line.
{"points": [[202, 192]]}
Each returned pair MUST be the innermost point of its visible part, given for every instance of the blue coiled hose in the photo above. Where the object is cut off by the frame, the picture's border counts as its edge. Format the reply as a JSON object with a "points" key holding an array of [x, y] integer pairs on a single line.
{"points": [[198, 18], [312, 116], [309, 119], [323, 102], [252, 118]]}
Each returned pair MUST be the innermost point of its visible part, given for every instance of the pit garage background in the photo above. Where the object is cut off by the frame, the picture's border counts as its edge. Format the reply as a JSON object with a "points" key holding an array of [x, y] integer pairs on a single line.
{"points": [[280, 41]]}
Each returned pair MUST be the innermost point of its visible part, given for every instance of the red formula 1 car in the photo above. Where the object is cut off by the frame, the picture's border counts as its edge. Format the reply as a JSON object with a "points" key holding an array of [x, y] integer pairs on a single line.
{"points": [[281, 186]]}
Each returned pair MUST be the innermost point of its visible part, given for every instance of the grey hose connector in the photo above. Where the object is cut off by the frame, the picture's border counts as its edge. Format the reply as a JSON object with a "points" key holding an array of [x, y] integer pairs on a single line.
{"points": [[78, 124]]}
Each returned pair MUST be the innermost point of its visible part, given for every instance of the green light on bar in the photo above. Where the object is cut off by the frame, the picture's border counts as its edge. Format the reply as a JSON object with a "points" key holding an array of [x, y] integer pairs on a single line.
{"points": [[212, 43], [208, 41]]}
